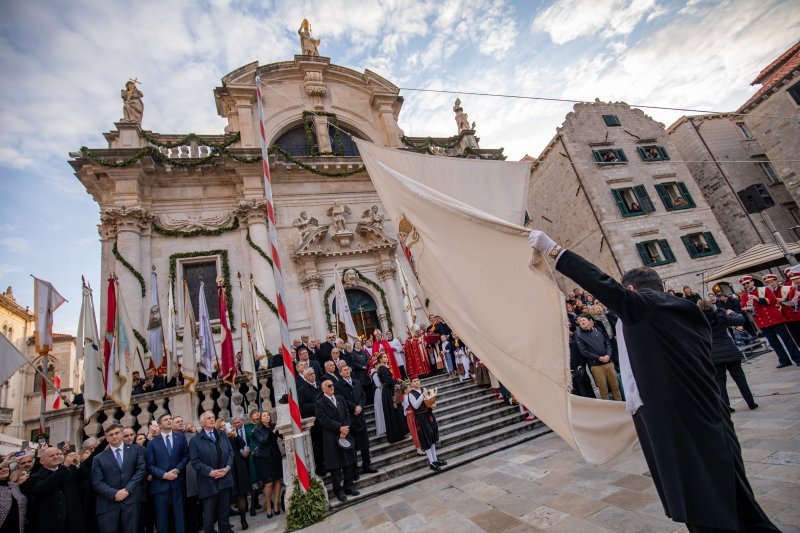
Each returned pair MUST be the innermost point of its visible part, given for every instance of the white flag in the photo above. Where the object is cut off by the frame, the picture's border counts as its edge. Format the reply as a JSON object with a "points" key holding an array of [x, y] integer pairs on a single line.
{"points": [[11, 359], [125, 357], [171, 340], [155, 339], [208, 352], [47, 301], [259, 346], [342, 309], [88, 348], [189, 364], [409, 295], [246, 348]]}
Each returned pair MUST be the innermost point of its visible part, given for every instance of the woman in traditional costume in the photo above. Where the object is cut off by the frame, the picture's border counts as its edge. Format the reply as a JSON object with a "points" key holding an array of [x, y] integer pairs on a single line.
{"points": [[394, 417]]}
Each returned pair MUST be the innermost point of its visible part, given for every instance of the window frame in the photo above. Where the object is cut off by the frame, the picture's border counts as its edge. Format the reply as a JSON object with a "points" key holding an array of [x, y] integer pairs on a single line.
{"points": [[618, 152], [794, 93], [179, 285], [662, 153], [642, 197], [663, 194], [688, 242], [769, 172], [611, 121], [664, 248]]}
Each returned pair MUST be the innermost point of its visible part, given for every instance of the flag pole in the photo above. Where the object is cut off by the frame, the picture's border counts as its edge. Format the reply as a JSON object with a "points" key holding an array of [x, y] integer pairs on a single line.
{"points": [[277, 272]]}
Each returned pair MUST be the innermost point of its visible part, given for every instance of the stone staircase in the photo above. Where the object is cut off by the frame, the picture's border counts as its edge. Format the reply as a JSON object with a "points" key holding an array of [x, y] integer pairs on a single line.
{"points": [[472, 424]]}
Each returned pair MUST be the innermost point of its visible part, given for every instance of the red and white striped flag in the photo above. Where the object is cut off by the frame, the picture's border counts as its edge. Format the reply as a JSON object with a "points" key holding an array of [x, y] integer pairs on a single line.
{"points": [[57, 391]]}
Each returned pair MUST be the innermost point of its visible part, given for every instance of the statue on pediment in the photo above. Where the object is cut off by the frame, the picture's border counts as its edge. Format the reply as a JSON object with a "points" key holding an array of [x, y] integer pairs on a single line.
{"points": [[305, 225], [308, 45], [372, 217], [132, 105], [461, 118], [350, 277], [337, 212]]}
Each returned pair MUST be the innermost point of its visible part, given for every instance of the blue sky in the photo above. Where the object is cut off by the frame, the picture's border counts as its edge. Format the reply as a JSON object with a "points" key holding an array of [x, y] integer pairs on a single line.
{"points": [[64, 64]]}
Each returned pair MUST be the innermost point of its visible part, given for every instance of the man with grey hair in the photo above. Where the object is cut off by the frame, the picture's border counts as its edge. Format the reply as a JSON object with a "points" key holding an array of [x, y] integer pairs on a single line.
{"points": [[241, 466], [307, 395], [211, 456]]}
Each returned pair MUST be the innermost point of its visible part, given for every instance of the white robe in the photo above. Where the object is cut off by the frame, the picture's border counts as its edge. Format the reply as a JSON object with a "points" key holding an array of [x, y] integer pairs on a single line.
{"points": [[380, 422]]}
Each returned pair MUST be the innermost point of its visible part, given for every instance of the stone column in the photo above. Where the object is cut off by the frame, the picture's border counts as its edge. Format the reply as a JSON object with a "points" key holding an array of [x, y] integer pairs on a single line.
{"points": [[314, 285], [253, 216], [244, 111], [384, 105], [387, 275]]}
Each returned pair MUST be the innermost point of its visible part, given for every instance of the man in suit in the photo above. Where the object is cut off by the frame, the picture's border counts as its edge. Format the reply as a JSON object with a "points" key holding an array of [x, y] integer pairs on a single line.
{"points": [[118, 474], [331, 371], [212, 458], [334, 420], [324, 350], [54, 494], [152, 382], [303, 355], [307, 395], [695, 459], [166, 458], [353, 393]]}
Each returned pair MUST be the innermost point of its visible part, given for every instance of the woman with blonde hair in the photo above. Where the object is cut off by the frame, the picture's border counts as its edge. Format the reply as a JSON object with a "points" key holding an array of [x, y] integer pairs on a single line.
{"points": [[13, 504]]}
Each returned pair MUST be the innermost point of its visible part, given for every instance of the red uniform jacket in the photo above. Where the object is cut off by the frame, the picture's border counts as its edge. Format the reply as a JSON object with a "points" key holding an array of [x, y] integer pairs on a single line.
{"points": [[787, 293], [764, 315]]}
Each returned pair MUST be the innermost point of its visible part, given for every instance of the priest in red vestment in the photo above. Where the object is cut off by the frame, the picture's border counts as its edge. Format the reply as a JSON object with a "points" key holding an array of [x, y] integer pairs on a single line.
{"points": [[416, 357], [379, 345]]}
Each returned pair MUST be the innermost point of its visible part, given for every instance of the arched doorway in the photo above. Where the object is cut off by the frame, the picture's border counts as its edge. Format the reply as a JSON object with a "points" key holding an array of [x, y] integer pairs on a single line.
{"points": [[364, 311]]}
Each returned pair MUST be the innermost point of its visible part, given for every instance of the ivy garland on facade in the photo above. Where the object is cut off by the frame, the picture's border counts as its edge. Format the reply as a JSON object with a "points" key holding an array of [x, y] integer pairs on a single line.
{"points": [[384, 302], [226, 275], [191, 137], [258, 249], [266, 300], [196, 232], [337, 133], [469, 151], [428, 144], [141, 339], [129, 266]]}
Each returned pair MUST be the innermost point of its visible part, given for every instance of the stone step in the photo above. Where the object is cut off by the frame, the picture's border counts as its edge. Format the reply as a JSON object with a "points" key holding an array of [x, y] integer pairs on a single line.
{"points": [[456, 397], [501, 442], [450, 444]]}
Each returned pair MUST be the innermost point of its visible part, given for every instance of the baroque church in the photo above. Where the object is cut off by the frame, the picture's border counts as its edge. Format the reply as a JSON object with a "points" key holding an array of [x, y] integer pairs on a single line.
{"points": [[192, 207]]}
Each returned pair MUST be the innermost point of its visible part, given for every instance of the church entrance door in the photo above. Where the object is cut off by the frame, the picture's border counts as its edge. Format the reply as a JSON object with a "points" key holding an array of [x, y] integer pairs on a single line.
{"points": [[364, 312]]}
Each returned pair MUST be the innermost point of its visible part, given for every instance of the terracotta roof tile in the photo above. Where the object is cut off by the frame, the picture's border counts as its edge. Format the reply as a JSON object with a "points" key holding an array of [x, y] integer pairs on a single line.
{"points": [[773, 74]]}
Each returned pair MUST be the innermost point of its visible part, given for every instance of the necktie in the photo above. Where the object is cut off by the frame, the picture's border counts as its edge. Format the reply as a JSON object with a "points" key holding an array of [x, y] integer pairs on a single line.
{"points": [[333, 399], [169, 444], [212, 436], [241, 434], [118, 456]]}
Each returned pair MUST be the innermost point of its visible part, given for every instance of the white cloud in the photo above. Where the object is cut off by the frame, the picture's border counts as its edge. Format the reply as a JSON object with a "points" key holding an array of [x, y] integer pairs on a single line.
{"points": [[6, 269], [567, 20], [16, 245]]}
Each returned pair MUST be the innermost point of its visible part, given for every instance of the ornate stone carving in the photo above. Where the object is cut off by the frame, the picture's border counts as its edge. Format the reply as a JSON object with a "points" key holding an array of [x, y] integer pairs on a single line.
{"points": [[337, 212], [252, 211], [314, 84], [124, 218], [386, 272], [371, 217], [461, 117], [308, 45], [305, 225], [132, 105], [312, 281], [191, 223], [350, 278]]}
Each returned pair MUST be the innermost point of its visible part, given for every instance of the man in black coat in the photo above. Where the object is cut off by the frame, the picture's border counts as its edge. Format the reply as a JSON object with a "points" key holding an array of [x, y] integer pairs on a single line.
{"points": [[694, 458], [54, 494], [211, 456], [303, 355], [324, 350], [331, 372], [332, 415], [307, 395], [118, 474], [353, 393]]}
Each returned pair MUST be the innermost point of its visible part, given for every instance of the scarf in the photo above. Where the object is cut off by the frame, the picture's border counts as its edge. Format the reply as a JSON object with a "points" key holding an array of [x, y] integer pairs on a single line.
{"points": [[632, 399]]}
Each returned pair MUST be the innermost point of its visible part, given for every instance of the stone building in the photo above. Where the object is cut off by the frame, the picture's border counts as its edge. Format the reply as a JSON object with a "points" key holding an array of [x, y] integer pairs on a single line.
{"points": [[717, 149], [607, 187], [772, 115]]}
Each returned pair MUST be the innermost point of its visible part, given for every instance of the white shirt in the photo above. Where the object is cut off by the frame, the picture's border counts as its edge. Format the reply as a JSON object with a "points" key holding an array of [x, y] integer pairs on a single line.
{"points": [[171, 438], [121, 449], [332, 398]]}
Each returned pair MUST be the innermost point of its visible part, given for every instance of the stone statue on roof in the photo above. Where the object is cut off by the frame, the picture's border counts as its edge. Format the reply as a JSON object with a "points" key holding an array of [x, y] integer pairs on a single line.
{"points": [[132, 105], [461, 118], [308, 45]]}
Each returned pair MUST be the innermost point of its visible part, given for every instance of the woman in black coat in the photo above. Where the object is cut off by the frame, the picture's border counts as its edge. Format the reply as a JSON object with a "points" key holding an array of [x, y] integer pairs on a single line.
{"points": [[269, 462], [393, 414], [724, 353]]}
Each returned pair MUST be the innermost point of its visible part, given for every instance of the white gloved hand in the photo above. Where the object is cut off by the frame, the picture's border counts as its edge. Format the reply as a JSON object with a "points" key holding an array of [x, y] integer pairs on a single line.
{"points": [[541, 242]]}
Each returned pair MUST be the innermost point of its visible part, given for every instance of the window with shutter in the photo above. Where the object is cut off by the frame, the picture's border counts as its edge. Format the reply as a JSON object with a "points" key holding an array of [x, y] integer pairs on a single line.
{"points": [[611, 120], [667, 251], [690, 246], [712, 242], [652, 153], [610, 156], [700, 244], [686, 196], [644, 199], [655, 253]]}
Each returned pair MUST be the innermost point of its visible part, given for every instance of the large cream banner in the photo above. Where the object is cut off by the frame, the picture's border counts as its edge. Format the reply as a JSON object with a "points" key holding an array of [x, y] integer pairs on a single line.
{"points": [[473, 265]]}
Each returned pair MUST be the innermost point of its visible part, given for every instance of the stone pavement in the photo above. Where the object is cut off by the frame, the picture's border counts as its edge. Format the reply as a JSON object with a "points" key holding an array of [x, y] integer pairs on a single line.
{"points": [[544, 485]]}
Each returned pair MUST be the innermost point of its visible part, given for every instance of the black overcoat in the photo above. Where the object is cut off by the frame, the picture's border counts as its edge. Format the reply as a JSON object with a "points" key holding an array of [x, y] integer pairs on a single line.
{"points": [[723, 349], [241, 466], [353, 394], [685, 430], [55, 500], [331, 419]]}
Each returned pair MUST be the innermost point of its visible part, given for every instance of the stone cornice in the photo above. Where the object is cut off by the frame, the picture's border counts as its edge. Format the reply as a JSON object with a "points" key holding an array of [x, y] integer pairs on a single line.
{"points": [[126, 218], [386, 272], [15, 308], [312, 281], [252, 211]]}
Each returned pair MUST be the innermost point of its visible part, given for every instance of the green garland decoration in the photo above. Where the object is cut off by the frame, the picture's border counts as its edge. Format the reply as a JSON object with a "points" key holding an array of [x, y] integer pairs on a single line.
{"points": [[258, 249], [191, 137], [369, 282], [468, 151], [216, 151], [427, 145], [266, 300], [337, 133], [226, 275], [141, 339], [196, 232], [129, 266], [306, 508]]}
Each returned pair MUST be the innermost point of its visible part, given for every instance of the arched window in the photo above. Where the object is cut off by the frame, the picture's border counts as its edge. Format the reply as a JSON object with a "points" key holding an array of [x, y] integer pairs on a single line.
{"points": [[294, 141], [37, 378], [341, 141], [5, 331]]}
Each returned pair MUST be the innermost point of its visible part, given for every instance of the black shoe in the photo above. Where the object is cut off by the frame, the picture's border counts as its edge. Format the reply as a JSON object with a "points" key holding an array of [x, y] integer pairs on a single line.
{"points": [[276, 513], [435, 467], [754, 406], [269, 515], [731, 409], [441, 462], [351, 492], [341, 497], [369, 470], [783, 365], [356, 477], [252, 511], [244, 523]]}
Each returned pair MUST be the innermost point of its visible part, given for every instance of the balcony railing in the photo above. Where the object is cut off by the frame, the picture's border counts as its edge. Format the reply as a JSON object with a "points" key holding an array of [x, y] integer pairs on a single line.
{"points": [[6, 415], [752, 147]]}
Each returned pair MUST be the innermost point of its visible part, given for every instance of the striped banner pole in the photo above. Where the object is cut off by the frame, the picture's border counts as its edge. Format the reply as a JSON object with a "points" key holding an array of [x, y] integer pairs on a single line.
{"points": [[288, 364]]}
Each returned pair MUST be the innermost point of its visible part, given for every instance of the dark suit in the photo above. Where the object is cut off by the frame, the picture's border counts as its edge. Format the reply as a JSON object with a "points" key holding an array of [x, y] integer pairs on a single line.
{"points": [[108, 478], [165, 492], [207, 455], [307, 396], [337, 460], [324, 352], [353, 394], [54, 500], [694, 458], [317, 369]]}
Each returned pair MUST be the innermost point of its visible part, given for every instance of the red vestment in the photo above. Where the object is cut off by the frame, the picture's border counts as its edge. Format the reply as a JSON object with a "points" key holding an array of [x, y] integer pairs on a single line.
{"points": [[416, 359], [386, 347]]}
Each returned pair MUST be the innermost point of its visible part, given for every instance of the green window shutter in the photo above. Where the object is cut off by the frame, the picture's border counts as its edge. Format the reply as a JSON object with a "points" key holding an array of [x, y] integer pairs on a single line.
{"points": [[644, 199], [642, 153], [664, 195], [621, 155], [597, 156], [669, 257], [623, 208], [712, 242], [640, 247], [687, 242], [663, 152], [611, 120], [685, 194]]}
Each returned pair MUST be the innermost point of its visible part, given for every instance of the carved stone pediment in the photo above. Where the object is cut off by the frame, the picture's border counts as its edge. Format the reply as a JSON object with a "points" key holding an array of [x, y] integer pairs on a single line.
{"points": [[191, 223], [310, 244], [376, 233]]}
